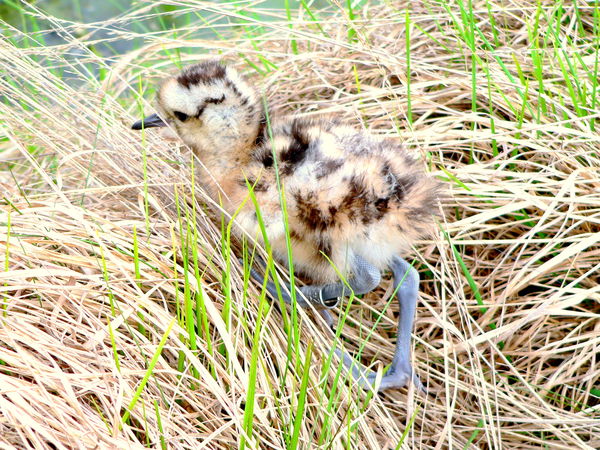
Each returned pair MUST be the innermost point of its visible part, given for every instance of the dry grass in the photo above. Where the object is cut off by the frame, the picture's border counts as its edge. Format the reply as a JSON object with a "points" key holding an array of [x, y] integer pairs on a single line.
{"points": [[507, 334]]}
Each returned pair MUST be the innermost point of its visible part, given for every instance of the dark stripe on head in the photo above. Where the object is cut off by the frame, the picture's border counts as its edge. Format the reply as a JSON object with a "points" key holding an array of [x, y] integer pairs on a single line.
{"points": [[204, 72], [216, 101], [296, 152], [234, 88]]}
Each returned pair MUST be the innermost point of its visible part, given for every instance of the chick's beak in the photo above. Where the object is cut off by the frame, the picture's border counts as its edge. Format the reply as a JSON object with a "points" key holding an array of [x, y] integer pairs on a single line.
{"points": [[148, 122]]}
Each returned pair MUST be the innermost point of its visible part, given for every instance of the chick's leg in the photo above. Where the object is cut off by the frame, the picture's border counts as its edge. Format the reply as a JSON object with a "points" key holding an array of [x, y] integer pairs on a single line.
{"points": [[400, 373], [365, 278]]}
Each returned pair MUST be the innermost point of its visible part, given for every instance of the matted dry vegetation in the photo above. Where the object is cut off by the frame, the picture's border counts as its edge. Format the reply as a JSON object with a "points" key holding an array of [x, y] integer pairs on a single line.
{"points": [[507, 333]]}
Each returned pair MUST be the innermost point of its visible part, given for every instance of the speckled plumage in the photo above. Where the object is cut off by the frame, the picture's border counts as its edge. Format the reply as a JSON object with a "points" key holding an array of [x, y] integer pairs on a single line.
{"points": [[354, 202], [346, 193]]}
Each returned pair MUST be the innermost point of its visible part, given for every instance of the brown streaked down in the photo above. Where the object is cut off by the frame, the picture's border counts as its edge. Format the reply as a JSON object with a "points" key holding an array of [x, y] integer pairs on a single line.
{"points": [[355, 202]]}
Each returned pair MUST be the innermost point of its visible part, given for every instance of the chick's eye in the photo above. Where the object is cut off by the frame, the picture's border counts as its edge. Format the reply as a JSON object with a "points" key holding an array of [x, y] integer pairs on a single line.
{"points": [[181, 116]]}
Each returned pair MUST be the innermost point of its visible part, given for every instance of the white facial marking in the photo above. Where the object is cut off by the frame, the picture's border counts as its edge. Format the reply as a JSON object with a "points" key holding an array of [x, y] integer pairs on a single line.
{"points": [[190, 101], [177, 98], [223, 117]]}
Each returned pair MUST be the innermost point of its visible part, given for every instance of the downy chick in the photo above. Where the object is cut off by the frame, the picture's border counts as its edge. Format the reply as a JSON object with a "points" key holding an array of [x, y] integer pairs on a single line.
{"points": [[355, 203]]}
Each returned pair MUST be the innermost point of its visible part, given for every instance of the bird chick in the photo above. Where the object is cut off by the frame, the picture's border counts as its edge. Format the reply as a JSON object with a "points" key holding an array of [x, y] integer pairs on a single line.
{"points": [[355, 203]]}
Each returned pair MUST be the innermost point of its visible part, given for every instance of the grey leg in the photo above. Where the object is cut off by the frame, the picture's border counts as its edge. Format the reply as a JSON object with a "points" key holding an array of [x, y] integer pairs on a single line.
{"points": [[365, 278], [406, 282]]}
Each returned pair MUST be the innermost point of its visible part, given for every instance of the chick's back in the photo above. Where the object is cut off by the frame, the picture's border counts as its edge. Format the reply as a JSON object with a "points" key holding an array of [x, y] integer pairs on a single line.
{"points": [[346, 193]]}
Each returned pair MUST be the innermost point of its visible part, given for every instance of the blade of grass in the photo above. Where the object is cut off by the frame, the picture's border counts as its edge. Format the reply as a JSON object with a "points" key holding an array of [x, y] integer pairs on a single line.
{"points": [[299, 413], [153, 361]]}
